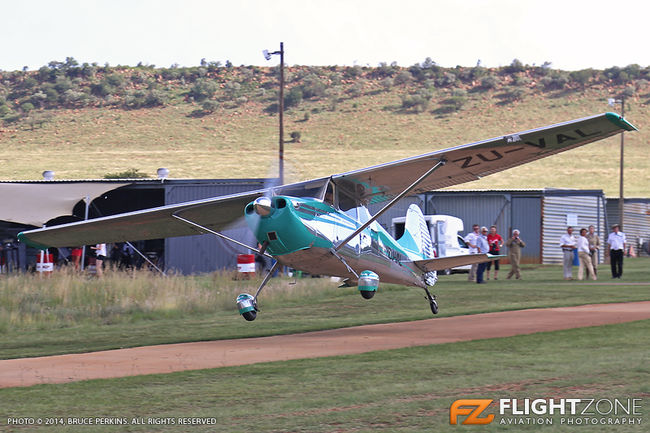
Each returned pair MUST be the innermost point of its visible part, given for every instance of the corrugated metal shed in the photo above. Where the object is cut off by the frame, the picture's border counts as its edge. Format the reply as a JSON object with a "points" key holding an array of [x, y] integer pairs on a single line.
{"points": [[561, 208], [506, 209], [636, 221], [206, 253]]}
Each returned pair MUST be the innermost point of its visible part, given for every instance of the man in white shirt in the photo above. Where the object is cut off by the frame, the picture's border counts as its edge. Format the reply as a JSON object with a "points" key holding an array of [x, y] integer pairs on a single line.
{"points": [[470, 239], [483, 248], [616, 243], [585, 256], [568, 244]]}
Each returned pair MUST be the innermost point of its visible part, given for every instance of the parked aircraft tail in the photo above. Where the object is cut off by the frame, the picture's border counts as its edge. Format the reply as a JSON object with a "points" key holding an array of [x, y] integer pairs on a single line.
{"points": [[416, 236]]}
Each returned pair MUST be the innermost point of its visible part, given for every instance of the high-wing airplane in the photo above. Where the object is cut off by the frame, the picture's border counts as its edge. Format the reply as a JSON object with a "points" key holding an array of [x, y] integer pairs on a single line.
{"points": [[322, 226]]}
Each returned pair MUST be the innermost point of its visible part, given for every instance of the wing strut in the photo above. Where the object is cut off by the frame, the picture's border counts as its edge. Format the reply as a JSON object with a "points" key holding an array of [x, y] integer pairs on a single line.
{"points": [[397, 198], [222, 236]]}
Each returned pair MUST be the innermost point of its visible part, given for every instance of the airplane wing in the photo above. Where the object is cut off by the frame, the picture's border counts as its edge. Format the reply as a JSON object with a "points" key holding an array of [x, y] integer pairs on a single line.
{"points": [[473, 161], [214, 213], [369, 185], [441, 263]]}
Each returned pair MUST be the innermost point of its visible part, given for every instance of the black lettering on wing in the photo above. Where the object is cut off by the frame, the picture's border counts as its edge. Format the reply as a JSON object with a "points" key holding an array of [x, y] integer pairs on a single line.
{"points": [[583, 134], [466, 162], [496, 154], [561, 138]]}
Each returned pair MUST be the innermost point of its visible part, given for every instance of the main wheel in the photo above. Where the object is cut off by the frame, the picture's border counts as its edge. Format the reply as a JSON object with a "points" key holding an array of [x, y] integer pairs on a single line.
{"points": [[434, 306], [367, 294], [250, 315]]}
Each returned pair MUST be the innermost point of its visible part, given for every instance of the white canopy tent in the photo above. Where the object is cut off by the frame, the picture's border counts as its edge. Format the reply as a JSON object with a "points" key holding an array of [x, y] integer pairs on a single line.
{"points": [[35, 203]]}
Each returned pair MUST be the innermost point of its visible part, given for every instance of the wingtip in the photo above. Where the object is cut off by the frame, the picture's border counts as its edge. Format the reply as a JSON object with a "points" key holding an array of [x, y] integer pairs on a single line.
{"points": [[620, 121], [22, 237]]}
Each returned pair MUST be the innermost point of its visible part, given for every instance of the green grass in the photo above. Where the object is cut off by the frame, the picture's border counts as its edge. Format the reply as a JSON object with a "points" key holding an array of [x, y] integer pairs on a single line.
{"points": [[66, 314], [362, 131], [405, 390]]}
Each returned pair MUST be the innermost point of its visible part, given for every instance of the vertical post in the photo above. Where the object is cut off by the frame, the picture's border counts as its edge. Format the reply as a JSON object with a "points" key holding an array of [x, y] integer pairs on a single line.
{"points": [[621, 200], [83, 248], [281, 108]]}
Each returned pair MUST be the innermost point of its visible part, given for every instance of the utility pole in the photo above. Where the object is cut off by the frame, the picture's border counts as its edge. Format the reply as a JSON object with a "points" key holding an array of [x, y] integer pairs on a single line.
{"points": [[621, 199], [267, 56]]}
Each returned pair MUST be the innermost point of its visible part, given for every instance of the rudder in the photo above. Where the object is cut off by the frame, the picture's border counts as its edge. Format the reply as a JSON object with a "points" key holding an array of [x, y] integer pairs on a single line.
{"points": [[416, 233]]}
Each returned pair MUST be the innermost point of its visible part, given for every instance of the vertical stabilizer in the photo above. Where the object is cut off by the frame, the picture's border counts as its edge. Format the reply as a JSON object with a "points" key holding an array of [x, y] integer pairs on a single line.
{"points": [[416, 236]]}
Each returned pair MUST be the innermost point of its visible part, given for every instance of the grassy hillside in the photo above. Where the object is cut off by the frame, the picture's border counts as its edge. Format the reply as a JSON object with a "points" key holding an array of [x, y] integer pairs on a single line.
{"points": [[218, 122]]}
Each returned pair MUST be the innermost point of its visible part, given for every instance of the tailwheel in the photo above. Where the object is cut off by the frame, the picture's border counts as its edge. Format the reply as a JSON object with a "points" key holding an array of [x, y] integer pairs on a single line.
{"points": [[432, 301]]}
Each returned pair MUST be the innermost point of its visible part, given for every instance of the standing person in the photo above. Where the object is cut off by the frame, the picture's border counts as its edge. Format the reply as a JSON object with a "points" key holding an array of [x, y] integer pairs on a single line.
{"points": [[495, 241], [568, 244], [594, 247], [514, 244], [616, 242], [100, 251], [585, 256], [75, 254], [470, 239], [483, 248]]}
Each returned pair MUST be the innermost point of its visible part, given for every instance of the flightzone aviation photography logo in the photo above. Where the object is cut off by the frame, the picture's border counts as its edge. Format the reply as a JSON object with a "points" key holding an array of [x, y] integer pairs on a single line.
{"points": [[543, 411]]}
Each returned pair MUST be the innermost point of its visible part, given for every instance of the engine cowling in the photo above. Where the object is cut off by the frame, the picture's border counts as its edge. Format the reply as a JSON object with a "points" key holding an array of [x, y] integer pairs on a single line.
{"points": [[368, 284]]}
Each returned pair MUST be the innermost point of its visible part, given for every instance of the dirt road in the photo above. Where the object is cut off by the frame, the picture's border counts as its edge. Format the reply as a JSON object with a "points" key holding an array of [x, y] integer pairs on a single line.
{"points": [[211, 354]]}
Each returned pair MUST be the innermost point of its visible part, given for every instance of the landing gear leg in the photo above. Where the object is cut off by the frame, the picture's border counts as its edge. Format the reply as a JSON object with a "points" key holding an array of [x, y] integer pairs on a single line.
{"points": [[432, 301]]}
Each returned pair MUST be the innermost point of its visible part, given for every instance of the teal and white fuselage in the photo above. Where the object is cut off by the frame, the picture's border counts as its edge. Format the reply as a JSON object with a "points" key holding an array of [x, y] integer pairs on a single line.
{"points": [[302, 233]]}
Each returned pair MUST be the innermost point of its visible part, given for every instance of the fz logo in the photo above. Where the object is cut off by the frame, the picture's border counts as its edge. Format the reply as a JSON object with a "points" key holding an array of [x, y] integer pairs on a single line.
{"points": [[472, 408]]}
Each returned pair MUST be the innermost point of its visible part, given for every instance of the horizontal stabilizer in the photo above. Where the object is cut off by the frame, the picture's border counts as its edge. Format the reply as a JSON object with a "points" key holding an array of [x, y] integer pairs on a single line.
{"points": [[441, 263]]}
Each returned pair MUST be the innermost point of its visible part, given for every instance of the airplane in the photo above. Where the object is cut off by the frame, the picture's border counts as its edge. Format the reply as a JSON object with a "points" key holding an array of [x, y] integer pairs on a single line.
{"points": [[322, 226]]}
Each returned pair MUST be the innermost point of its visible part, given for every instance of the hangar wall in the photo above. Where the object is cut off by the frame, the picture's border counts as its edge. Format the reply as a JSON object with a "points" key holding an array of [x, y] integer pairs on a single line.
{"points": [[205, 253], [540, 215], [636, 221], [561, 208]]}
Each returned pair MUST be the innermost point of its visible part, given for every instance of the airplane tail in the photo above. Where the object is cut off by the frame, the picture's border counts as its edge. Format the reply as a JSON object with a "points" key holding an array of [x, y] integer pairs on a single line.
{"points": [[416, 236]]}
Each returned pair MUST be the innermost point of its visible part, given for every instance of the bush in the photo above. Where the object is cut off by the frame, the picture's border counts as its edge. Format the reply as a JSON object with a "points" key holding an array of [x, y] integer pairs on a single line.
{"points": [[515, 66], [210, 106], [556, 81], [516, 94], [102, 89], [386, 83], [115, 80], [155, 98], [520, 80], [582, 77], [132, 173], [231, 89], [313, 87], [417, 102], [356, 89], [628, 92], [26, 107], [295, 136], [404, 77], [74, 98], [203, 89], [489, 82], [458, 99], [447, 80], [293, 98], [62, 84]]}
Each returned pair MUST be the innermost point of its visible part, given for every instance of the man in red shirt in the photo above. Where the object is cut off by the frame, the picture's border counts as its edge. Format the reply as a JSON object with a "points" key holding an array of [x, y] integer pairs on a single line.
{"points": [[495, 241]]}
